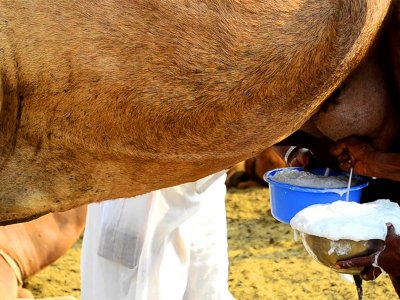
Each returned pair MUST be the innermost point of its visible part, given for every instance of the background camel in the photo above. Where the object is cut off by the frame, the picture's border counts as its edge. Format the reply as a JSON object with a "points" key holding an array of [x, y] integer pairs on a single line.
{"points": [[26, 248]]}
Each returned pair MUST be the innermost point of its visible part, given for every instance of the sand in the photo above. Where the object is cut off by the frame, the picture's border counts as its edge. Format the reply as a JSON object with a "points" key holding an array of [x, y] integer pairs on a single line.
{"points": [[266, 263]]}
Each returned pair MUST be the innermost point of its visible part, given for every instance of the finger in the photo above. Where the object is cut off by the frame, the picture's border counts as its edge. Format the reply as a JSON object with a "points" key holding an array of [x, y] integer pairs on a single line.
{"points": [[312, 163], [345, 166], [370, 273], [295, 163], [390, 229], [303, 158], [357, 262], [338, 149], [344, 145], [343, 157]]}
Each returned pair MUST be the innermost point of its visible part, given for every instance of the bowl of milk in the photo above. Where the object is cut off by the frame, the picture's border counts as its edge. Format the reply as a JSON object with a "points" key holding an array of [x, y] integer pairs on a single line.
{"points": [[293, 189], [343, 230]]}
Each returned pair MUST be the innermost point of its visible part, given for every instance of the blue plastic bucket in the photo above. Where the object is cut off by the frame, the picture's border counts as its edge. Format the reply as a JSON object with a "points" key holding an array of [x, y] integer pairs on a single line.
{"points": [[287, 200]]}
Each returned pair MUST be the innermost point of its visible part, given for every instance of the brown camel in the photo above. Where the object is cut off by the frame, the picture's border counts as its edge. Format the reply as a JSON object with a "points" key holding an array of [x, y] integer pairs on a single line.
{"points": [[118, 98]]}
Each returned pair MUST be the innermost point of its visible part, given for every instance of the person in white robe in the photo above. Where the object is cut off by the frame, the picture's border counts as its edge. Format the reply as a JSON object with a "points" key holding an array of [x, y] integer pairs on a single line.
{"points": [[169, 244]]}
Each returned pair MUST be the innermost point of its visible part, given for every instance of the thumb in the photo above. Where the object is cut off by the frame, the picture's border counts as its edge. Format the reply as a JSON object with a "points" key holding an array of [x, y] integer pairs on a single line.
{"points": [[390, 229]]}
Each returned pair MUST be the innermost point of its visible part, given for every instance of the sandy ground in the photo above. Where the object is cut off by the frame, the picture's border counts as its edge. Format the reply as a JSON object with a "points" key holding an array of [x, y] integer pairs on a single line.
{"points": [[266, 263]]}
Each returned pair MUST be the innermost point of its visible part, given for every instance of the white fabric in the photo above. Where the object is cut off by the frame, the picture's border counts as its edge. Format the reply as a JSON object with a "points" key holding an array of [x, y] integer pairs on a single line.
{"points": [[170, 244]]}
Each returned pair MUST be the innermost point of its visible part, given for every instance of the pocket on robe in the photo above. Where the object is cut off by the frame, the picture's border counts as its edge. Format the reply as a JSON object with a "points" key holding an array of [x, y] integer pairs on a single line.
{"points": [[123, 229], [120, 247]]}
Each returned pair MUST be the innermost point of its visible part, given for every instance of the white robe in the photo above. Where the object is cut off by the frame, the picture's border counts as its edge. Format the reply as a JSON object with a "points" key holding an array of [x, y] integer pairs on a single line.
{"points": [[170, 244]]}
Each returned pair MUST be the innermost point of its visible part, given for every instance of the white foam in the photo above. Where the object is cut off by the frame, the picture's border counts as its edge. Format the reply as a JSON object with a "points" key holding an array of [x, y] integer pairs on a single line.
{"points": [[348, 220], [306, 179]]}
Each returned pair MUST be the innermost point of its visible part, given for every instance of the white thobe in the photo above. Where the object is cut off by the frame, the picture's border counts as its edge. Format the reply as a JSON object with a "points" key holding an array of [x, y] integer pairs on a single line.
{"points": [[170, 244]]}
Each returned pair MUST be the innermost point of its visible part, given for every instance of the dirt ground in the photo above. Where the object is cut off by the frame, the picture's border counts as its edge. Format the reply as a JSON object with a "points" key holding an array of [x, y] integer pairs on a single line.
{"points": [[265, 261]]}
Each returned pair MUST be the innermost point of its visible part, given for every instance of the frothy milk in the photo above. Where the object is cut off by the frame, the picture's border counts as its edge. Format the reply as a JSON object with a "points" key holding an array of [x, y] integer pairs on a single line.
{"points": [[348, 220], [306, 179]]}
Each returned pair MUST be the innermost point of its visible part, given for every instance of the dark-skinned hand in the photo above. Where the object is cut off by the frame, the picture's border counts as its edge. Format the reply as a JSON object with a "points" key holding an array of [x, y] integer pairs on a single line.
{"points": [[388, 258], [302, 158], [357, 153]]}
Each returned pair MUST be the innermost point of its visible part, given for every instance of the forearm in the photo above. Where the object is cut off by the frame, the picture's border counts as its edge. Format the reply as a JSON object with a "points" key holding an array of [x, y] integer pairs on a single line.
{"points": [[386, 165]]}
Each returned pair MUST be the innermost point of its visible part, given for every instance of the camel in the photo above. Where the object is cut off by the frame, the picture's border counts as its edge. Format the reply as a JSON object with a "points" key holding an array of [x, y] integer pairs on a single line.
{"points": [[366, 105], [114, 99]]}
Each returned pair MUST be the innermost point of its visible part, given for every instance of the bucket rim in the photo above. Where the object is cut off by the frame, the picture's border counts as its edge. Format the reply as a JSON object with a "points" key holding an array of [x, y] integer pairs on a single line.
{"points": [[268, 178]]}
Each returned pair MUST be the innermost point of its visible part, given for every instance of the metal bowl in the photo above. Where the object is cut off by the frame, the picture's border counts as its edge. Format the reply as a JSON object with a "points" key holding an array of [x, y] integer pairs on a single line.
{"points": [[328, 252]]}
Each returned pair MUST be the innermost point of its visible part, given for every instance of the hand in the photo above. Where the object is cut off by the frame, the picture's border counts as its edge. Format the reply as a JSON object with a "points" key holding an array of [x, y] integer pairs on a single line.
{"points": [[301, 157], [388, 258], [357, 153], [308, 160]]}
